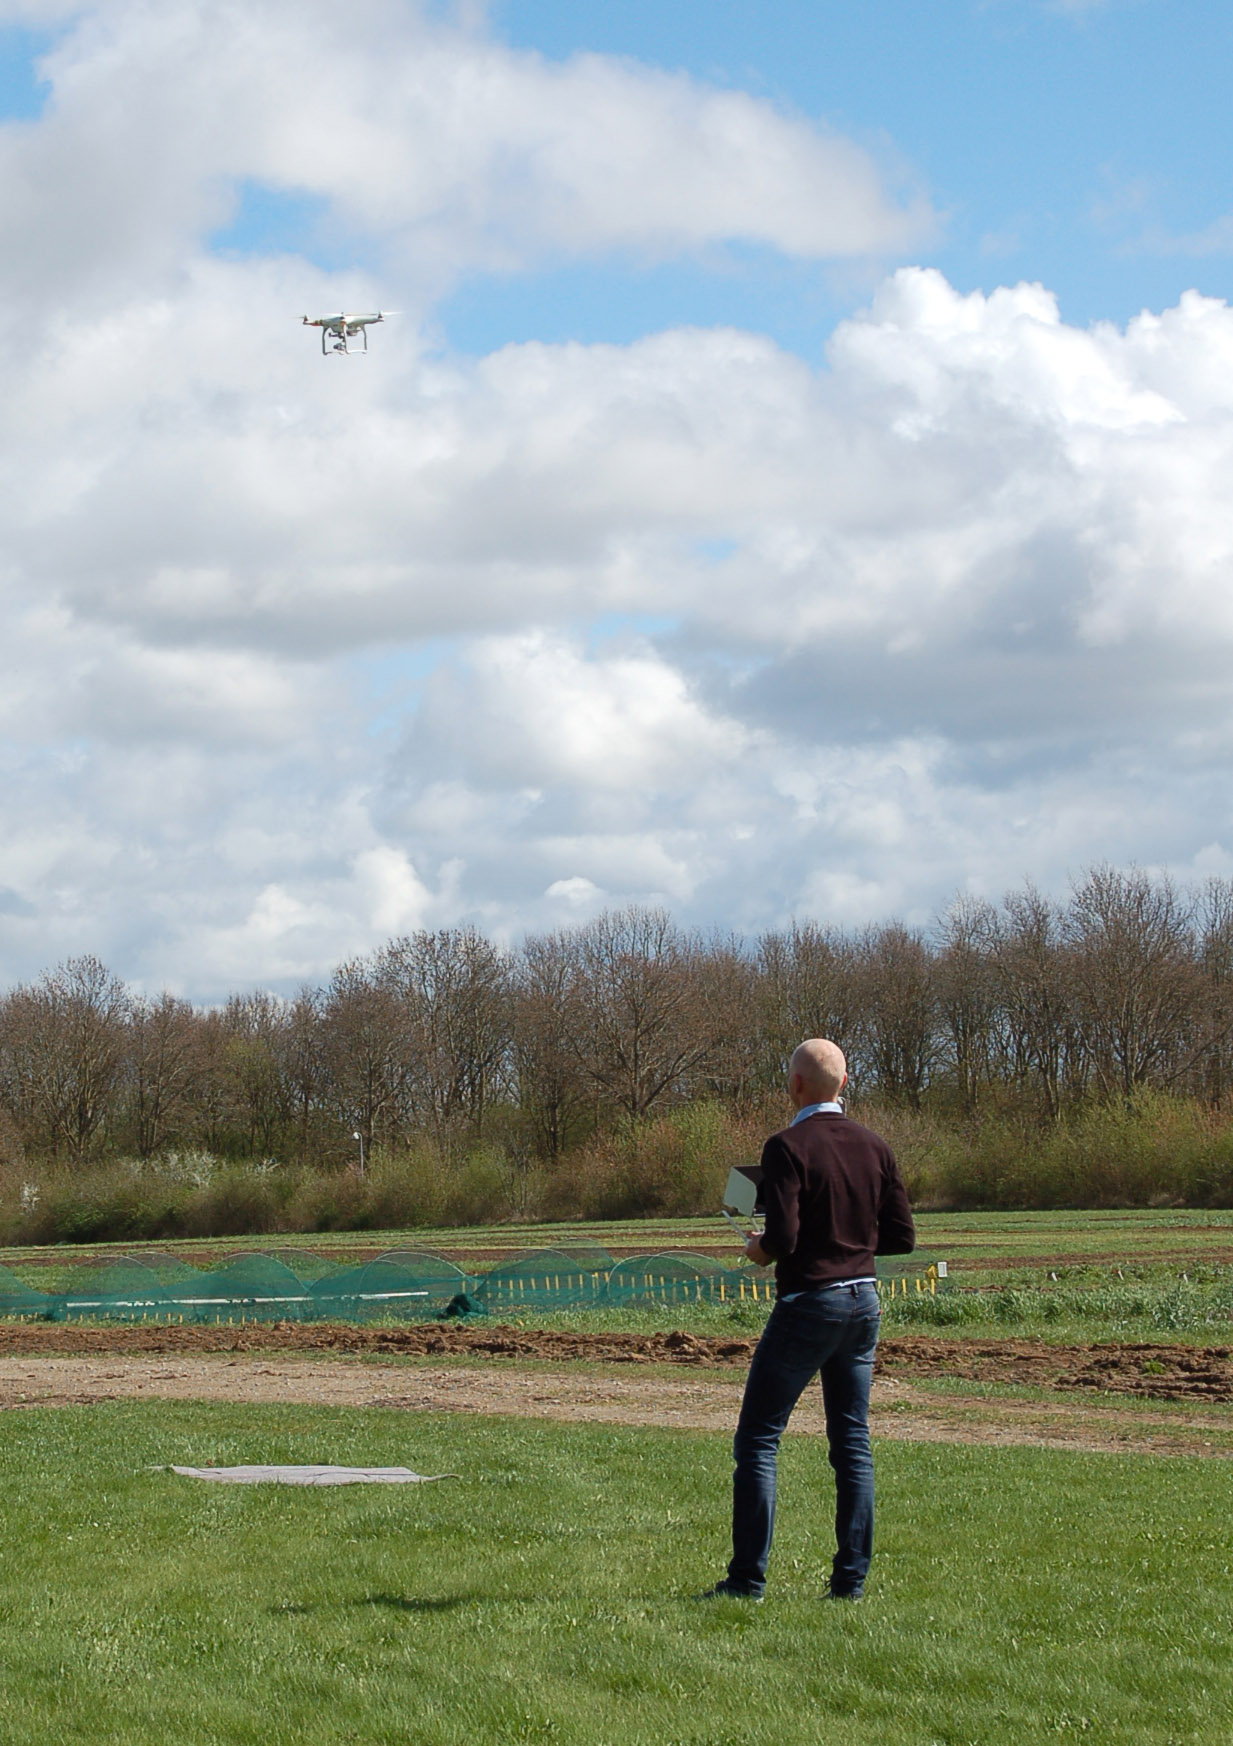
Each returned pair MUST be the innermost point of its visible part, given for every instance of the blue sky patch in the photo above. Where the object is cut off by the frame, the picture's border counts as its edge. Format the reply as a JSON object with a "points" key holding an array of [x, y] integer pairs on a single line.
{"points": [[617, 300], [23, 95], [281, 221]]}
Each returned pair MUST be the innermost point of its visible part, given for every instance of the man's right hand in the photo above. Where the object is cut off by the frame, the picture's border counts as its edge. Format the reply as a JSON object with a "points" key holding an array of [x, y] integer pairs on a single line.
{"points": [[754, 1251]]}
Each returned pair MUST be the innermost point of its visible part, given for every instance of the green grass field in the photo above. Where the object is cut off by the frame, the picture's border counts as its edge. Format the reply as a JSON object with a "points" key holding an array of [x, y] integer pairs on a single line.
{"points": [[1018, 1594]]}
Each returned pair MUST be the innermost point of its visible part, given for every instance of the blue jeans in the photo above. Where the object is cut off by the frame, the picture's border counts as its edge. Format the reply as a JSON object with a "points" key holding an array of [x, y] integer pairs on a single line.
{"points": [[834, 1332]]}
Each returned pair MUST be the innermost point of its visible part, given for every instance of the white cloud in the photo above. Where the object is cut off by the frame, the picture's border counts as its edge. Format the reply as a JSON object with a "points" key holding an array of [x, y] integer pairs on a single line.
{"points": [[290, 933], [533, 709], [952, 610], [450, 148], [300, 653], [911, 603], [578, 893]]}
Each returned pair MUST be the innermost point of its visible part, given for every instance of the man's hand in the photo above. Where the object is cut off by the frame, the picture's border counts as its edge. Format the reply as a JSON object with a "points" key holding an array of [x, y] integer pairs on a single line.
{"points": [[754, 1251]]}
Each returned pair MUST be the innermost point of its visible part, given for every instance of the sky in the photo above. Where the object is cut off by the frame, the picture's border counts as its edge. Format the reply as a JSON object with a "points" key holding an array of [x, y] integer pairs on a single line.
{"points": [[795, 482]]}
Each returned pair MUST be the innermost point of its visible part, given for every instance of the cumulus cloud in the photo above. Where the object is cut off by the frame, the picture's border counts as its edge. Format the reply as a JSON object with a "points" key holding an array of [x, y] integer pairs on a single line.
{"points": [[300, 652], [441, 147], [710, 627], [535, 710]]}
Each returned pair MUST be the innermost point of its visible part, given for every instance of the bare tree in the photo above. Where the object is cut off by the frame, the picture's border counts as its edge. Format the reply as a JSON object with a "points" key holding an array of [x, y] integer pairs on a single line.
{"points": [[254, 1025], [301, 1061], [642, 1022], [896, 1028], [1035, 977], [1213, 1067], [807, 980], [366, 1056], [160, 1059], [63, 1048], [552, 1087], [453, 991], [728, 992], [1136, 983], [209, 1094], [967, 993]]}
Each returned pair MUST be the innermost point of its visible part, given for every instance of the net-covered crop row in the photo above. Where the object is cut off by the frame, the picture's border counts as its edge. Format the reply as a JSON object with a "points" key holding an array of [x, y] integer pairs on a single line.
{"points": [[406, 1284]]}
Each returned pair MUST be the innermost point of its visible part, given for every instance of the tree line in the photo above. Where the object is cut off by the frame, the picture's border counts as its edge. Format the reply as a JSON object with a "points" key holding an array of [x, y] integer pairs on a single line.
{"points": [[1033, 1005]]}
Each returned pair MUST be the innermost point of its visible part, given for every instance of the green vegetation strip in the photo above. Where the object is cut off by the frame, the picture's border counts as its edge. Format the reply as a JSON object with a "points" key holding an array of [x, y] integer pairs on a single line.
{"points": [[1009, 1238], [544, 1595], [1070, 1276]]}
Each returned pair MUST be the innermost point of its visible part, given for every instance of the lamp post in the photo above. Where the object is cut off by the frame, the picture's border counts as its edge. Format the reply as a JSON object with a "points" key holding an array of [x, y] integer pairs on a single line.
{"points": [[358, 1136]]}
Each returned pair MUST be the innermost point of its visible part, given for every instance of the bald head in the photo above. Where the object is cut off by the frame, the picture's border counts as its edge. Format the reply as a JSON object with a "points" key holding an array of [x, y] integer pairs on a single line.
{"points": [[817, 1072]]}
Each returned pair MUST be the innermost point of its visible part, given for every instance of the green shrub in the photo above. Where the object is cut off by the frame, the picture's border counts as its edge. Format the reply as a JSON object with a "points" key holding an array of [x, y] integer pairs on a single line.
{"points": [[1153, 1150], [1156, 1150], [239, 1200], [672, 1165]]}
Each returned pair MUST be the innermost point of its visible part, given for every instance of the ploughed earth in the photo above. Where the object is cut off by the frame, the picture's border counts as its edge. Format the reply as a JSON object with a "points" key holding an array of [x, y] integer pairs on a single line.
{"points": [[1158, 1399]]}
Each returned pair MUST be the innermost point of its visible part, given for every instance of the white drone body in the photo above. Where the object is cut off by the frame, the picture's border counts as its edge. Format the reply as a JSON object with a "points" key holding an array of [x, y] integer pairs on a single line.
{"points": [[342, 328]]}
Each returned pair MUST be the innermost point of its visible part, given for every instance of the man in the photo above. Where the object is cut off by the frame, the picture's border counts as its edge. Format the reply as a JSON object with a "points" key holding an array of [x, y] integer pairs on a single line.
{"points": [[834, 1199]]}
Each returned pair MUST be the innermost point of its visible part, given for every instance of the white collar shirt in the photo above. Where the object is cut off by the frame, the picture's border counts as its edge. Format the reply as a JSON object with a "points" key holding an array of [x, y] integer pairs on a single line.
{"points": [[812, 1109]]}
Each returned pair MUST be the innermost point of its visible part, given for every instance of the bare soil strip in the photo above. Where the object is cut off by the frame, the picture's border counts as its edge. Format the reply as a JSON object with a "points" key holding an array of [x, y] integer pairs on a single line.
{"points": [[1159, 1372], [587, 1377], [901, 1410]]}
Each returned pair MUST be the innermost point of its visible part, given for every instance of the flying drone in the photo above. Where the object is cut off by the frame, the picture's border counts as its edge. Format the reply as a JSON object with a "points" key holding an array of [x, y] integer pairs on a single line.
{"points": [[341, 329]]}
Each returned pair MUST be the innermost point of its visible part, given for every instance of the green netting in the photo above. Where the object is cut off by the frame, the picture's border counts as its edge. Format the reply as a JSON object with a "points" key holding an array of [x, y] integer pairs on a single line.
{"points": [[592, 1256], [424, 1265], [304, 1264], [167, 1268], [17, 1299], [118, 1291], [545, 1279], [243, 1288], [404, 1284], [674, 1278]]}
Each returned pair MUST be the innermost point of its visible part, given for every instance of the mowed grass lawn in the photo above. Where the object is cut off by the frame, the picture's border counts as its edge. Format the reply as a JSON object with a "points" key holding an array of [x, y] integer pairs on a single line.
{"points": [[1019, 1594]]}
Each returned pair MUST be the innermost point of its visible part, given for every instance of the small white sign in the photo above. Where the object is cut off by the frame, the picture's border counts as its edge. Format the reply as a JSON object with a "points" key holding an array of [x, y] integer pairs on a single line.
{"points": [[741, 1195]]}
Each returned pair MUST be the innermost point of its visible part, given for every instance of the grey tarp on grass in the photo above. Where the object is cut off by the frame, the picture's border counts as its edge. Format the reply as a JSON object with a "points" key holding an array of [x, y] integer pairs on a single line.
{"points": [[312, 1475]]}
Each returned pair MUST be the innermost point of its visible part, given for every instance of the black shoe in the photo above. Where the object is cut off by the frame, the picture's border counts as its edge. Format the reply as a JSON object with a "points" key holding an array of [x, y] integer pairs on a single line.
{"points": [[728, 1590], [848, 1594]]}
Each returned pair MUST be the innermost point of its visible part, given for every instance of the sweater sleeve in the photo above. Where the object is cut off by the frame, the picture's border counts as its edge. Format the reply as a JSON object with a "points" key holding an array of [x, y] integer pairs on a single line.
{"points": [[896, 1231], [781, 1199]]}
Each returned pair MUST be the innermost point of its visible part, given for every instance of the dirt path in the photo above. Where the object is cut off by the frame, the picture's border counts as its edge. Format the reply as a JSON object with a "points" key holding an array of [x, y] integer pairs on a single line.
{"points": [[1160, 1372], [703, 1396]]}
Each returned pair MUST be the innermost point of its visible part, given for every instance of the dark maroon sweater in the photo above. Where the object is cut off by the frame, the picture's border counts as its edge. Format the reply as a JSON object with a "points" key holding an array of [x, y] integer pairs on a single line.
{"points": [[834, 1199]]}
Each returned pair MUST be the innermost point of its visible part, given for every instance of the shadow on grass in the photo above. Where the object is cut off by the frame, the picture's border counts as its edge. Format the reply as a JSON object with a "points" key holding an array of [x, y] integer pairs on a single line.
{"points": [[401, 1603]]}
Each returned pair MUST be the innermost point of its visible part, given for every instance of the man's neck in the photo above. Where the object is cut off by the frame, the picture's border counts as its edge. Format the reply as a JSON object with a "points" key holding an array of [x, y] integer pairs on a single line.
{"points": [[826, 1106]]}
